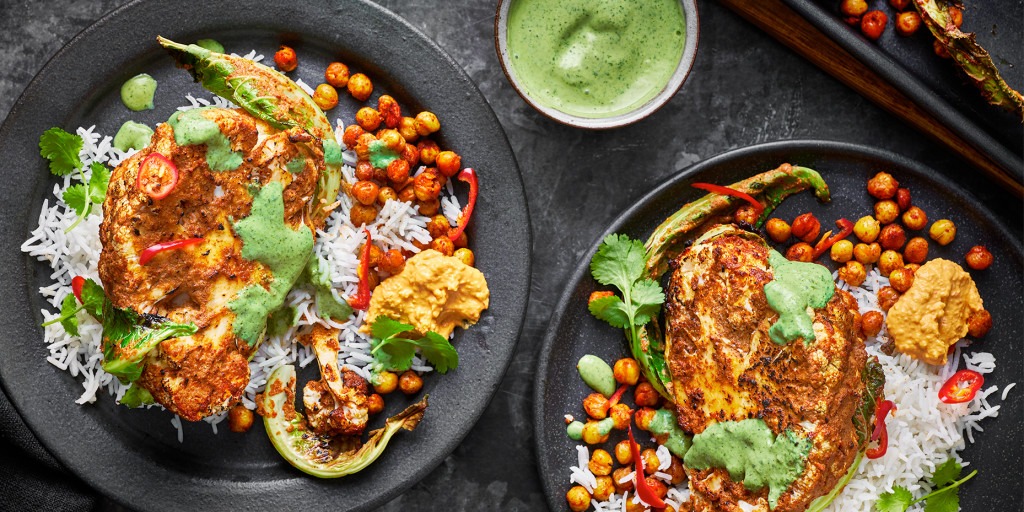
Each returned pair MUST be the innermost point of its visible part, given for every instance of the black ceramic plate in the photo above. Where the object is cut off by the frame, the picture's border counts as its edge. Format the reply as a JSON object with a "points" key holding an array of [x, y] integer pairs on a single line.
{"points": [[134, 456], [573, 332]]}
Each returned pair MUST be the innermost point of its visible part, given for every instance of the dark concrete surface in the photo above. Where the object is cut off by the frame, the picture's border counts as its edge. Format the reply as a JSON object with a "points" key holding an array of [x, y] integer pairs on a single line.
{"points": [[744, 89]]}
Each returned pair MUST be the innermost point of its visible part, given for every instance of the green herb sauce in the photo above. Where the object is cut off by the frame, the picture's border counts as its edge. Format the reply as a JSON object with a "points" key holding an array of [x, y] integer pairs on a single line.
{"points": [[267, 239], [132, 135], [574, 430], [595, 58], [752, 454], [296, 165], [380, 154], [332, 152], [137, 92], [211, 45], [597, 374], [664, 423], [190, 127], [796, 287]]}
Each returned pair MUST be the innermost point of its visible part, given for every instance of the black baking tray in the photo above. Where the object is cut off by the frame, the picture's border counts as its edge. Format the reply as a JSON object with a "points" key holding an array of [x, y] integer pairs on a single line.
{"points": [[936, 84]]}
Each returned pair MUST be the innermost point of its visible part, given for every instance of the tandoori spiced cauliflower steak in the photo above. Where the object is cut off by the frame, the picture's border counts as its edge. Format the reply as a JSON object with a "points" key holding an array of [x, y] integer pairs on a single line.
{"points": [[229, 165], [726, 368]]}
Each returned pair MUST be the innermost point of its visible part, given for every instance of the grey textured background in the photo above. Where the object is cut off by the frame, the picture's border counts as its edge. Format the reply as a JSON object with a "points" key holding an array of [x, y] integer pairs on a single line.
{"points": [[744, 89]]}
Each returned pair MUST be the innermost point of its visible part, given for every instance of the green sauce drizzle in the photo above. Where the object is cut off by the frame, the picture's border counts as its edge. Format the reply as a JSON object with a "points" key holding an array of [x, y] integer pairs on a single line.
{"points": [[380, 154], [296, 165], [332, 152], [665, 423], [752, 454], [132, 135], [190, 127], [267, 239], [137, 92], [796, 287]]}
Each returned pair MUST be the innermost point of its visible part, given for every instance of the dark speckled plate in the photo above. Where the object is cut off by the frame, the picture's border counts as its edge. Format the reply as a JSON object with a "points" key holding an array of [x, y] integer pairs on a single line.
{"points": [[134, 456], [574, 332]]}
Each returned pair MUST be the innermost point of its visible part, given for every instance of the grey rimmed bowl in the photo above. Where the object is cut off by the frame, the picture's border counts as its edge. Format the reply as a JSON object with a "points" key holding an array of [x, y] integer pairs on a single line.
{"points": [[602, 123]]}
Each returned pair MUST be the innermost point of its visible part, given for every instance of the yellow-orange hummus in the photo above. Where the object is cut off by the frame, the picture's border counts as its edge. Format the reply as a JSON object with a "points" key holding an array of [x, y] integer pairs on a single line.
{"points": [[433, 293], [933, 313]]}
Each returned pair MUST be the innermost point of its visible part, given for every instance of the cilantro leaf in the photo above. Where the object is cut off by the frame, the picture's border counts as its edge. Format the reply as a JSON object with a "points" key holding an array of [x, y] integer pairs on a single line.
{"points": [[68, 309], [98, 182], [136, 396], [619, 261], [61, 149], [943, 502], [395, 354], [610, 309], [947, 473], [128, 336], [77, 197], [439, 352], [384, 328], [648, 298], [897, 500], [92, 299]]}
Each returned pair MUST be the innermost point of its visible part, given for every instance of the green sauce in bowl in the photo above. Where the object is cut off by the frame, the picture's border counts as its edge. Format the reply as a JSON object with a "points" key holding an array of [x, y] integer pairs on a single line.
{"points": [[594, 58]]}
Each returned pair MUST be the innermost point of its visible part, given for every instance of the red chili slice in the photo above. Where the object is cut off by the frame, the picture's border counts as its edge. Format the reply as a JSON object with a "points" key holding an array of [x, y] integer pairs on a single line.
{"points": [[961, 387], [362, 299], [726, 191], [880, 434], [615, 397], [826, 242], [157, 176], [469, 176], [149, 252], [643, 490], [77, 283]]}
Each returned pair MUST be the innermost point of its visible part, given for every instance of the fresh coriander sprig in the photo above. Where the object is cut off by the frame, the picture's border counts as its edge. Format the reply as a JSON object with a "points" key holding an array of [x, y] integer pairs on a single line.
{"points": [[61, 149], [945, 498], [392, 352], [620, 262]]}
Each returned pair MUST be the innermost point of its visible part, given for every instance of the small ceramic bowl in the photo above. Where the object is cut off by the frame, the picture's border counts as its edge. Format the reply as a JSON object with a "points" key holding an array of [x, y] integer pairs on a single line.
{"points": [[599, 123]]}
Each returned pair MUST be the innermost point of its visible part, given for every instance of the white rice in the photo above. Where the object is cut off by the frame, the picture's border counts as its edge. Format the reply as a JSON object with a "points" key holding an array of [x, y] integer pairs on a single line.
{"points": [[923, 432], [77, 254]]}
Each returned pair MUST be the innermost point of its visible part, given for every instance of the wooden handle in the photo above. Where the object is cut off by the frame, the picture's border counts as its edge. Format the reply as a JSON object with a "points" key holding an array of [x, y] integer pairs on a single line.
{"points": [[792, 30]]}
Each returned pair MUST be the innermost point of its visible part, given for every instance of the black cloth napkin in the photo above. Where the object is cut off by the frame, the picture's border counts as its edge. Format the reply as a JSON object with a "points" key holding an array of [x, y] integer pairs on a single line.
{"points": [[31, 478]]}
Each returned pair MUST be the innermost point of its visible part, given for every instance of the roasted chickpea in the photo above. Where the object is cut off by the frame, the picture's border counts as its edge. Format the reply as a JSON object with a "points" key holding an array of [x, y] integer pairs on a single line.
{"points": [[643, 418], [657, 486], [873, 24], [841, 251], [325, 96], [449, 163], [979, 323], [592, 434], [407, 127], [389, 111], [361, 214], [604, 489], [635, 507], [651, 462], [853, 8], [887, 296], [410, 155], [443, 245], [336, 74], [427, 123], [427, 186], [746, 214], [364, 170], [465, 255], [892, 237], [644, 395], [883, 186], [887, 211], [363, 146], [392, 139], [360, 87], [913, 266], [899, 5], [623, 453], [867, 254], [866, 229], [676, 470], [385, 194], [385, 382], [979, 258], [853, 273], [903, 199], [428, 151], [620, 414], [365, 192], [596, 406], [907, 23], [462, 241], [600, 463], [916, 250], [871, 323], [940, 50], [410, 383], [942, 231], [408, 195], [889, 261], [901, 279], [374, 404], [427, 208], [806, 227], [623, 484], [578, 498], [368, 118], [240, 418], [351, 135], [398, 171], [915, 219], [800, 252], [626, 371], [778, 230], [956, 16], [392, 262], [285, 59], [438, 225]]}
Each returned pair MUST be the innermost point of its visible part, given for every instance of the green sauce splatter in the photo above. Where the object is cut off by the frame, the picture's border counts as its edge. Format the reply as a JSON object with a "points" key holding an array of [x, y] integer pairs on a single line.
{"points": [[332, 152], [380, 154], [296, 164], [597, 374], [211, 45], [137, 92], [318, 273], [190, 127], [752, 454], [574, 430], [267, 239], [664, 423], [132, 135], [796, 287]]}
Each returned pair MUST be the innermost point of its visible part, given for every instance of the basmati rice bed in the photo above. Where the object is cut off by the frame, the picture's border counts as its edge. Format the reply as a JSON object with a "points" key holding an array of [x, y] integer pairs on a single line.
{"points": [[77, 253], [923, 431]]}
